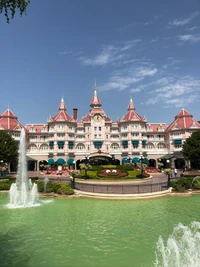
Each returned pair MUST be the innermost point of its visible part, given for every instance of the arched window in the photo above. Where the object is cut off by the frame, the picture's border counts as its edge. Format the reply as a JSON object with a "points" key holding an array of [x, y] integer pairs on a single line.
{"points": [[32, 147], [80, 147], [161, 146], [44, 147], [149, 146], [114, 147]]}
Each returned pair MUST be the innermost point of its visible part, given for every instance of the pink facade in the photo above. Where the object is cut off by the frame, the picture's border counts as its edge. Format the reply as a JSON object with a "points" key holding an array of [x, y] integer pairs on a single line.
{"points": [[63, 136]]}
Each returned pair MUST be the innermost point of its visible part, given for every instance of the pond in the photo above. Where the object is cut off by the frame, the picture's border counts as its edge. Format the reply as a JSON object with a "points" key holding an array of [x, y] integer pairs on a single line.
{"points": [[94, 232]]}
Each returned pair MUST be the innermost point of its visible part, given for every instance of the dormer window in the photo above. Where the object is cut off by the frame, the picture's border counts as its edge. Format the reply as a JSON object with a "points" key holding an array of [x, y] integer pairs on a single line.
{"points": [[44, 129], [32, 129]]}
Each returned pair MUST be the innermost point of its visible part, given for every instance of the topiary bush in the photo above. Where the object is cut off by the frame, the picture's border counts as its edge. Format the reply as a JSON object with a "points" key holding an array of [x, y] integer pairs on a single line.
{"points": [[5, 185], [65, 189]]}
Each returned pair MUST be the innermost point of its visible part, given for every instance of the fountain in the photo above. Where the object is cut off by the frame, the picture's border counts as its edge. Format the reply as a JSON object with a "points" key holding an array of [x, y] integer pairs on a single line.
{"points": [[182, 248], [46, 180], [23, 193]]}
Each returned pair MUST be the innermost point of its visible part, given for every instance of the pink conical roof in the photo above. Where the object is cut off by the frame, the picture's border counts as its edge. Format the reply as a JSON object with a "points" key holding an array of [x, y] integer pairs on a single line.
{"points": [[95, 100], [9, 121], [131, 105], [183, 120], [62, 105], [62, 114]]}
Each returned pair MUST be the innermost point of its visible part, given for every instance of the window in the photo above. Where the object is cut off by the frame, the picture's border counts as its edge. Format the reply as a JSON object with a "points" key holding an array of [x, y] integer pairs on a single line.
{"points": [[99, 128], [32, 129], [60, 147], [114, 147], [44, 129], [95, 136], [107, 136], [51, 129], [71, 128], [95, 128], [135, 134], [88, 147], [60, 127], [134, 126], [80, 147], [149, 146], [177, 146], [32, 147], [99, 135], [124, 135], [88, 129], [88, 136], [44, 147], [161, 146], [61, 136], [106, 147]]}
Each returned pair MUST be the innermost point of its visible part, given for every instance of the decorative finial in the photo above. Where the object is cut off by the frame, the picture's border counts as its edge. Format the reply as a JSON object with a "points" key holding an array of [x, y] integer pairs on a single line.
{"points": [[95, 84]]}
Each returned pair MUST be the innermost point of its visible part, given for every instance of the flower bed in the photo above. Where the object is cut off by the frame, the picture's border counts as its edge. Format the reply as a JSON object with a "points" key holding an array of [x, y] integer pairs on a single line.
{"points": [[112, 173], [152, 170]]}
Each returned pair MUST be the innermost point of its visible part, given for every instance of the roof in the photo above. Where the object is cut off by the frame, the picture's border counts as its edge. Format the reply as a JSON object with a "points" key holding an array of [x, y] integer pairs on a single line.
{"points": [[62, 114], [183, 120], [38, 127], [156, 126], [132, 115], [95, 100], [8, 121]]}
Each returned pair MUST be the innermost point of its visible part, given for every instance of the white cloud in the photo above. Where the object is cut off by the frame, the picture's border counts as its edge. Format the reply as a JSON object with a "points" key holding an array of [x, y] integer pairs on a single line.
{"points": [[193, 28], [173, 91], [126, 78], [110, 54], [189, 38], [184, 21], [142, 72]]}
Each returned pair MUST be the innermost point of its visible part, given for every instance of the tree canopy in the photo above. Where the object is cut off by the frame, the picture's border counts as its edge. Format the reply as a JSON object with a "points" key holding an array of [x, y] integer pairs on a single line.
{"points": [[8, 147], [191, 147], [9, 7]]}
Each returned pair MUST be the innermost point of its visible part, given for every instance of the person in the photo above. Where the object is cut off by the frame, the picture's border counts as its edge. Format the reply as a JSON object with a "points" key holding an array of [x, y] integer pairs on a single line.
{"points": [[175, 171], [60, 172], [183, 173], [57, 172]]}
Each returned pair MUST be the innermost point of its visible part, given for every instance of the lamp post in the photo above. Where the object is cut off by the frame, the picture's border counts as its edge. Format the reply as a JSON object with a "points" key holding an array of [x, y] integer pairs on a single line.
{"points": [[130, 159], [168, 173], [86, 162], [141, 161]]}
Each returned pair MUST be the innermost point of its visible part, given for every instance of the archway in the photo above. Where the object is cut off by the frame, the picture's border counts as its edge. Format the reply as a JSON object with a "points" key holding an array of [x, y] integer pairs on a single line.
{"points": [[152, 163]]}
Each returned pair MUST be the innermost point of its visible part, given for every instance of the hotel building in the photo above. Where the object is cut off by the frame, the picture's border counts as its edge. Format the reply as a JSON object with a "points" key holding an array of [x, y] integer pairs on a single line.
{"points": [[63, 138]]}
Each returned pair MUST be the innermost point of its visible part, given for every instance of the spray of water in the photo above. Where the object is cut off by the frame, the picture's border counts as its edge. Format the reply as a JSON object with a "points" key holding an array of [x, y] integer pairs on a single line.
{"points": [[23, 193], [182, 248]]}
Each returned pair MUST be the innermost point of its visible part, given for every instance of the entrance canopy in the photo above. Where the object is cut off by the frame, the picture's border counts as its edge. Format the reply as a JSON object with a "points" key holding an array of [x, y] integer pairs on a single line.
{"points": [[135, 160], [125, 160], [70, 161], [60, 161], [50, 161]]}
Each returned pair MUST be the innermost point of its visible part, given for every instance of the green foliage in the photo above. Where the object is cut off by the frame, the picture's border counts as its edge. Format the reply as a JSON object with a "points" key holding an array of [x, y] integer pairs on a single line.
{"points": [[125, 167], [191, 147], [65, 189], [10, 6], [182, 184], [97, 167], [8, 148], [5, 185], [40, 185]]}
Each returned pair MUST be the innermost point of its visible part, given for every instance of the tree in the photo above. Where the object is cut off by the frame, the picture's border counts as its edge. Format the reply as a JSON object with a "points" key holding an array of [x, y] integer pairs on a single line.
{"points": [[10, 6], [191, 147], [8, 148]]}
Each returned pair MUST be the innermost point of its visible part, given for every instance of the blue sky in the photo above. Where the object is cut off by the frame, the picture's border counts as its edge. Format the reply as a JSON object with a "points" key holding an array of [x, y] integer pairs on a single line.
{"points": [[147, 49]]}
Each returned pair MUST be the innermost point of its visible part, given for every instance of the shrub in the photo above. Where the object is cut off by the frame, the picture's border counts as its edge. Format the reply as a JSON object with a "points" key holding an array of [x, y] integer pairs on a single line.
{"points": [[65, 189], [5, 185], [125, 167]]}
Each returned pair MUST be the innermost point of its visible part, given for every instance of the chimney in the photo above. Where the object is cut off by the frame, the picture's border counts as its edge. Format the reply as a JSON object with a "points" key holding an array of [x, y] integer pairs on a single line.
{"points": [[75, 113]]}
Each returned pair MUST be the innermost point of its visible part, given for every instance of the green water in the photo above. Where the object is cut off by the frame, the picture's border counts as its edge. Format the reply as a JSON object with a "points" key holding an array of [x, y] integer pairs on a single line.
{"points": [[89, 232]]}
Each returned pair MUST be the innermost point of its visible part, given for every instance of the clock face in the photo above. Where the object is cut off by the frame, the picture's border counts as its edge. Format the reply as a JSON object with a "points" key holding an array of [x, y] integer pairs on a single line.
{"points": [[97, 118]]}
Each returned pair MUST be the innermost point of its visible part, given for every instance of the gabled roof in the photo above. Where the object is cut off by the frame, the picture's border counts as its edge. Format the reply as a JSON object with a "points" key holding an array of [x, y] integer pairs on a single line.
{"points": [[8, 121], [132, 115], [183, 120], [62, 114]]}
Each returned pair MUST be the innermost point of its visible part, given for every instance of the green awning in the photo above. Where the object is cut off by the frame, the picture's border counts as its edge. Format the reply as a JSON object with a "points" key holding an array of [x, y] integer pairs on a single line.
{"points": [[70, 143], [125, 160], [145, 160], [177, 142], [60, 143], [135, 160], [168, 156], [135, 143], [51, 143], [98, 143], [144, 143], [50, 161], [70, 161], [125, 143], [60, 161]]}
